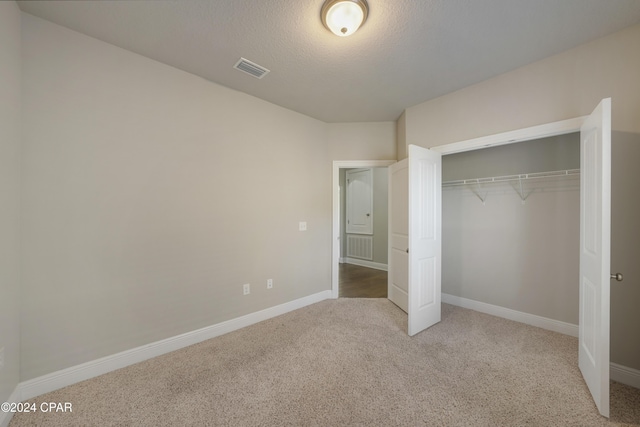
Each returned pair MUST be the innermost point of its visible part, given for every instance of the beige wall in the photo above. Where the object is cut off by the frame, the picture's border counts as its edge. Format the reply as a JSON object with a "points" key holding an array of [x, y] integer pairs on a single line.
{"points": [[625, 235], [362, 141], [564, 86], [9, 197], [401, 136], [151, 196], [560, 87]]}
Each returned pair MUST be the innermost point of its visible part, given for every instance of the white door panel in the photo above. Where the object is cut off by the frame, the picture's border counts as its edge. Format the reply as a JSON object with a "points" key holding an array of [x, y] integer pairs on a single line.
{"points": [[360, 201], [595, 252], [425, 241], [415, 244], [398, 270]]}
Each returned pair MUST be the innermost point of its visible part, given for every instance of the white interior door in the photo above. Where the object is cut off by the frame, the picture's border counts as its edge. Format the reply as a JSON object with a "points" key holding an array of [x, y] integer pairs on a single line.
{"points": [[595, 251], [360, 201], [415, 243], [425, 238], [398, 267]]}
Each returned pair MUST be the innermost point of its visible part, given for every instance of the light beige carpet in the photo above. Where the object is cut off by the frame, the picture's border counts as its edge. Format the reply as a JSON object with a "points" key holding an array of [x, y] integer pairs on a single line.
{"points": [[349, 362]]}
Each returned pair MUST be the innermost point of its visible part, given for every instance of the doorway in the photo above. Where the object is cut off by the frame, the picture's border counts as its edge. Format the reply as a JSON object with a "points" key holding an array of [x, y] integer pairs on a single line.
{"points": [[362, 278], [363, 233]]}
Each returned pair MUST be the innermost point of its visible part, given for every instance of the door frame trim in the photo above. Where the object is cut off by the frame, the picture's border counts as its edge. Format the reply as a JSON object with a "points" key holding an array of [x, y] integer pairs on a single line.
{"points": [[335, 233], [519, 135]]}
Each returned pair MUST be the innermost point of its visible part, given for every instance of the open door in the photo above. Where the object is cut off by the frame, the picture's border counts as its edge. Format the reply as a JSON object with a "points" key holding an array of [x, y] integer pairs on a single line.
{"points": [[415, 244], [398, 270], [595, 250], [425, 238]]}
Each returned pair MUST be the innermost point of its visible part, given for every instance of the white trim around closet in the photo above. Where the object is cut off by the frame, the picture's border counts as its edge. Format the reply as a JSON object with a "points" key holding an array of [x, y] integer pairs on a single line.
{"points": [[534, 132]]}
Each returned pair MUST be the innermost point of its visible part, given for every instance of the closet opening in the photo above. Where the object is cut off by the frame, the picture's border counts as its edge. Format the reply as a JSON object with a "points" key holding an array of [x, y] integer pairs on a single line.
{"points": [[511, 227]]}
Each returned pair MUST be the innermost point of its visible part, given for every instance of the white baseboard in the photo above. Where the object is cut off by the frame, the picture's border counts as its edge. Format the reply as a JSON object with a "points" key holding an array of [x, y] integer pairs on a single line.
{"points": [[618, 373], [518, 316], [624, 375], [5, 417], [56, 380], [365, 263]]}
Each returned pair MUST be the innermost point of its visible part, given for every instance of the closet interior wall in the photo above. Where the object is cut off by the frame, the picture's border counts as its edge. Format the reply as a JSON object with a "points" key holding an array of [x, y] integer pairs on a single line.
{"points": [[519, 255]]}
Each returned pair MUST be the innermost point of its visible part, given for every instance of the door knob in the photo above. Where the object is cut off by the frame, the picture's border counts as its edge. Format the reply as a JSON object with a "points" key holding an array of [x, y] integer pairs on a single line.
{"points": [[617, 276]]}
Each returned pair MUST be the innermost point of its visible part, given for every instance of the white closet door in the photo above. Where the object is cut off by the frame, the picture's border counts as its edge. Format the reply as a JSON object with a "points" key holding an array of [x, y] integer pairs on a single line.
{"points": [[595, 250], [425, 238]]}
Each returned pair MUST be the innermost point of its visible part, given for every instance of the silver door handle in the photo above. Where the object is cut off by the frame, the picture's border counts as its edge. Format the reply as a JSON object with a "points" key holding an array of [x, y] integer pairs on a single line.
{"points": [[617, 276]]}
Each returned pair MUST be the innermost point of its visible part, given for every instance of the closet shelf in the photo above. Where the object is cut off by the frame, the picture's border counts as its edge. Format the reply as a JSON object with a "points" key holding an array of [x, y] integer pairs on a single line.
{"points": [[507, 178], [475, 185]]}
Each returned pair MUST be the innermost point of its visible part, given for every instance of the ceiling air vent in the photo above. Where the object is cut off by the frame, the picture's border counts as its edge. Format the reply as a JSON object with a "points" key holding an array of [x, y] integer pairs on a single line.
{"points": [[251, 68]]}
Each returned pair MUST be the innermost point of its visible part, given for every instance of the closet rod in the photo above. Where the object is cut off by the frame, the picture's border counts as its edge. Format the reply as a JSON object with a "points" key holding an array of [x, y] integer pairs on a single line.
{"points": [[507, 178]]}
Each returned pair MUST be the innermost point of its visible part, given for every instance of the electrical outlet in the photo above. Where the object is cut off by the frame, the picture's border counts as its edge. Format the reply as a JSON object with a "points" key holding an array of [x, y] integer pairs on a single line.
{"points": [[1, 357], [246, 289], [302, 226], [269, 283]]}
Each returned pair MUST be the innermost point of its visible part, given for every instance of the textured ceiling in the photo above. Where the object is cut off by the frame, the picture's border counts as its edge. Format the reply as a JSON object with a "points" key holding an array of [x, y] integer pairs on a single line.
{"points": [[408, 51]]}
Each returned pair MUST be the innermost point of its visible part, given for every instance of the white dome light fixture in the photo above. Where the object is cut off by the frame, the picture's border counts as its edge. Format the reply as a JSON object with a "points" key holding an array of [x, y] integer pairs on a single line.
{"points": [[344, 17]]}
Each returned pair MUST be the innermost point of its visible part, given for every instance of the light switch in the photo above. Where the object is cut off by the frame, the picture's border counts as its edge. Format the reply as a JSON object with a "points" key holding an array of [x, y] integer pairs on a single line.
{"points": [[302, 226]]}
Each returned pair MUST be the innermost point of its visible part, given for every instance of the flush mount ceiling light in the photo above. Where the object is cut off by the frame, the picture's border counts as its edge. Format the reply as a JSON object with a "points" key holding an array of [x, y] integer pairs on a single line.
{"points": [[344, 17]]}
